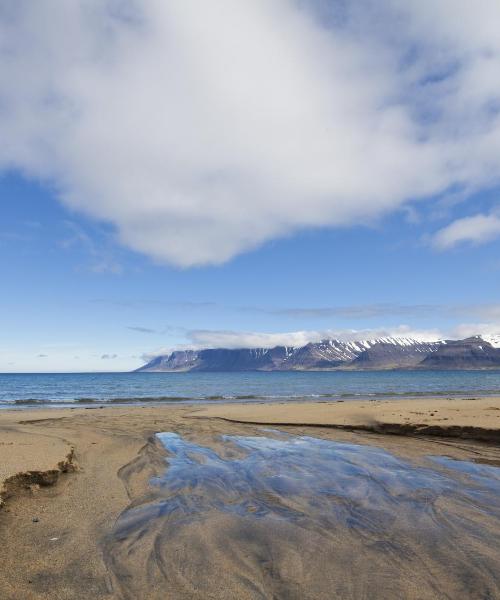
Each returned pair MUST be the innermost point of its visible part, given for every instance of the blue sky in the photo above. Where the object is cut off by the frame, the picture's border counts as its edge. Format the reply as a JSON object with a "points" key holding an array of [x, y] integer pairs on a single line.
{"points": [[184, 174], [73, 295]]}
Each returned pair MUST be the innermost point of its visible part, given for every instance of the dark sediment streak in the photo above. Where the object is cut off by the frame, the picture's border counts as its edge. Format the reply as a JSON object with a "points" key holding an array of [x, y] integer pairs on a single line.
{"points": [[406, 429]]}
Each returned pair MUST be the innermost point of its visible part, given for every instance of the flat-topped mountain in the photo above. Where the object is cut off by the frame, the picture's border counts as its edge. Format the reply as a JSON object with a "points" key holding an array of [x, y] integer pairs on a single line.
{"points": [[472, 353], [478, 352]]}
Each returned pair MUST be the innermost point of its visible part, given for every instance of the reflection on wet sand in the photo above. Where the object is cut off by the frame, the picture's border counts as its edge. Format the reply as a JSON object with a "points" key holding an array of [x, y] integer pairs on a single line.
{"points": [[287, 517]]}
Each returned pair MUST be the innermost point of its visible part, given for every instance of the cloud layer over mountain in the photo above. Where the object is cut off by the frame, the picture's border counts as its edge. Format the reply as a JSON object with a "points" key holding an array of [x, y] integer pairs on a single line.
{"points": [[199, 339], [200, 130]]}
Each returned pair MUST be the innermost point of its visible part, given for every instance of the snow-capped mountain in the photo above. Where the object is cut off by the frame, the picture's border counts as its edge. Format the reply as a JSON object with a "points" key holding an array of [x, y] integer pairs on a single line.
{"points": [[382, 353], [478, 352]]}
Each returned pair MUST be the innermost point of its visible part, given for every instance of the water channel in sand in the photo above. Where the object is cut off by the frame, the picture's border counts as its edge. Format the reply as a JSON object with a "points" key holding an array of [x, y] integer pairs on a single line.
{"points": [[295, 517]]}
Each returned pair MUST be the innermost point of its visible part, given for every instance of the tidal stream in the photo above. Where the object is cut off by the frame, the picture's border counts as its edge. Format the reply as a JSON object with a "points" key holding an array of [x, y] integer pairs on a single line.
{"points": [[300, 518]]}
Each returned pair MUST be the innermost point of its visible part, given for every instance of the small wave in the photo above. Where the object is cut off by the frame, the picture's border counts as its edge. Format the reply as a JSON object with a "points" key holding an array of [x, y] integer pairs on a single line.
{"points": [[210, 398], [29, 402], [135, 400], [84, 400]]}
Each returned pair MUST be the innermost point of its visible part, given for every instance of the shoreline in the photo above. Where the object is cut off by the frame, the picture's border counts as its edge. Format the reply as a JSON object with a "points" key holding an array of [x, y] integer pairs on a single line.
{"points": [[475, 419], [76, 470], [158, 401]]}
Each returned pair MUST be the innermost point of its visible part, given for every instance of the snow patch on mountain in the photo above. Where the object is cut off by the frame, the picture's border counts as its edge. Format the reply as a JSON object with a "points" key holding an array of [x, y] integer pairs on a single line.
{"points": [[493, 339]]}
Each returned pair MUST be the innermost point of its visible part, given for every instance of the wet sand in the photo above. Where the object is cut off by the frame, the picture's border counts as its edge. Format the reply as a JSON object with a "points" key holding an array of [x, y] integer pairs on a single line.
{"points": [[27, 460], [473, 418], [74, 534]]}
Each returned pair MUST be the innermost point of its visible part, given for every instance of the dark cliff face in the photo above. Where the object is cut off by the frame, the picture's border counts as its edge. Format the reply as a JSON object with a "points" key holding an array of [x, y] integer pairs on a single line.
{"points": [[182, 360], [219, 359], [239, 360], [471, 353], [386, 353]]}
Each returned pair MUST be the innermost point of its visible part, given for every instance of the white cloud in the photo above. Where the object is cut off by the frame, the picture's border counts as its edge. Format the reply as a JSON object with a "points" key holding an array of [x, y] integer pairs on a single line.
{"points": [[478, 229], [202, 129], [466, 330]]}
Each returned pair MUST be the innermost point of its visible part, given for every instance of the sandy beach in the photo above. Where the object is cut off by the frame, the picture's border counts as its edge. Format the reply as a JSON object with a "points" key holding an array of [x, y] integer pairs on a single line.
{"points": [[66, 476]]}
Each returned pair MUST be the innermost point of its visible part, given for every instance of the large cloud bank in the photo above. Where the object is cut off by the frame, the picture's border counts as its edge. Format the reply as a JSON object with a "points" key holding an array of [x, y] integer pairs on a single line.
{"points": [[199, 130], [198, 339]]}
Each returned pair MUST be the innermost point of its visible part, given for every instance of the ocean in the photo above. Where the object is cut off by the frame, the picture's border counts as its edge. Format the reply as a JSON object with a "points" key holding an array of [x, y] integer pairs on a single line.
{"points": [[60, 389]]}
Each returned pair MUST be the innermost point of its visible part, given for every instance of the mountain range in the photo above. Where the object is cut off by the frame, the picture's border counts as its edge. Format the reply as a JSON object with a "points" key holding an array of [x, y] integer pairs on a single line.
{"points": [[478, 352]]}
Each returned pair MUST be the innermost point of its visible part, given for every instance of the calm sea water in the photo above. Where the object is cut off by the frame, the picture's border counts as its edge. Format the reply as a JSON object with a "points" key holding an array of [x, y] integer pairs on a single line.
{"points": [[87, 388]]}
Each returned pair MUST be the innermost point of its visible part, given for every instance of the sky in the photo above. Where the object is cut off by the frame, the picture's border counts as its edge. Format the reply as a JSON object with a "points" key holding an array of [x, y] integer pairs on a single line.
{"points": [[179, 174]]}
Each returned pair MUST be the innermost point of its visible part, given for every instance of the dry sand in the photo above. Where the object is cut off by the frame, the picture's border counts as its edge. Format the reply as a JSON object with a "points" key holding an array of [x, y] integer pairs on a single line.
{"points": [[54, 538]]}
